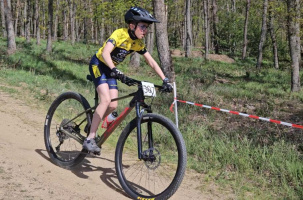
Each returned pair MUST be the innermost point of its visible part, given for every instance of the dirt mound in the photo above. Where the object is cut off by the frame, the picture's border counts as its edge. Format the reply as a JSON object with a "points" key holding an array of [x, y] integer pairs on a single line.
{"points": [[215, 57], [177, 53], [221, 58]]}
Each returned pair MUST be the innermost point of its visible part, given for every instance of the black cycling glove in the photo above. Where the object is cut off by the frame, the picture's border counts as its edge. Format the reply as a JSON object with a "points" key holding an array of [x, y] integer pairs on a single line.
{"points": [[116, 73], [166, 86]]}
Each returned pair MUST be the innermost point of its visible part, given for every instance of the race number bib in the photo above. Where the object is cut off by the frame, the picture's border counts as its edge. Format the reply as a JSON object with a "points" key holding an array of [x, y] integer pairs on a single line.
{"points": [[149, 89]]}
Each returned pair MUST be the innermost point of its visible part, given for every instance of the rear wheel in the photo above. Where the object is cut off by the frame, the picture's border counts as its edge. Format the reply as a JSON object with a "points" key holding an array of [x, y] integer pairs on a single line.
{"points": [[65, 149], [160, 172]]}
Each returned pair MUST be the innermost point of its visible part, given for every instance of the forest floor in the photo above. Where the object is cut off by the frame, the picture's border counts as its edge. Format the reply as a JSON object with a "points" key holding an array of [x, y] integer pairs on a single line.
{"points": [[26, 171]]}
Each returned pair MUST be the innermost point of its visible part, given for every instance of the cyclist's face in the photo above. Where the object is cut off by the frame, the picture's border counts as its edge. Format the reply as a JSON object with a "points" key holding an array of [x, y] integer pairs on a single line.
{"points": [[141, 30]]}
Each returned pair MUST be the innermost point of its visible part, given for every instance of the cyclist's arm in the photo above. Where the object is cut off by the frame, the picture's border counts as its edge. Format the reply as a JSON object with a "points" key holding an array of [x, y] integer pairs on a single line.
{"points": [[153, 64], [108, 48]]}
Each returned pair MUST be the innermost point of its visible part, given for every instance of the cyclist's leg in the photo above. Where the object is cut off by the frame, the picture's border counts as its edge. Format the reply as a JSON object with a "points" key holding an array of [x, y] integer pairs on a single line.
{"points": [[113, 92], [102, 88], [105, 98], [106, 88]]}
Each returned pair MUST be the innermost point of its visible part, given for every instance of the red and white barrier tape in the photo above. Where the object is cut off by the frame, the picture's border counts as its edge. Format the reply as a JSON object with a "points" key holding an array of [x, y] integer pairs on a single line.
{"points": [[237, 113]]}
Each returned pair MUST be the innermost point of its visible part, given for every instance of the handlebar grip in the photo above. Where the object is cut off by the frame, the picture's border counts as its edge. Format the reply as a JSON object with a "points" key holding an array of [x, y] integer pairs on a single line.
{"points": [[112, 74]]}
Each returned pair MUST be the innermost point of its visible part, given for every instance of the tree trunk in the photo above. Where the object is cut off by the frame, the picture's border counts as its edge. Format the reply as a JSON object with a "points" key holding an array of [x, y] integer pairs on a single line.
{"points": [[77, 30], [263, 34], [206, 28], [188, 30], [3, 18], [150, 39], [65, 30], [11, 42], [102, 31], [245, 30], [134, 60], [273, 35], [27, 23], [55, 32], [162, 40], [43, 20], [293, 7], [96, 28], [50, 26], [91, 21], [24, 20], [72, 20], [17, 16], [215, 24], [233, 6], [37, 17], [85, 24], [184, 32], [34, 19], [21, 20]]}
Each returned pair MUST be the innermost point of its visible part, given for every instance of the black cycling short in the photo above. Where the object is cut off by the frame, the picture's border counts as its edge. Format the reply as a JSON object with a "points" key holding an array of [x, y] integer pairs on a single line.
{"points": [[101, 73]]}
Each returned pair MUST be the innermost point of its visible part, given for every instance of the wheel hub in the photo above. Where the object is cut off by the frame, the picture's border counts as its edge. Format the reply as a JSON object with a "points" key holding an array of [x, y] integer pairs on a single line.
{"points": [[152, 158], [70, 127]]}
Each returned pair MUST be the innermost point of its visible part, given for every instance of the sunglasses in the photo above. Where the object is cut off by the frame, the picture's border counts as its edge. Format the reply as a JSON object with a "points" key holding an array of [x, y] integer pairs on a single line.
{"points": [[143, 27]]}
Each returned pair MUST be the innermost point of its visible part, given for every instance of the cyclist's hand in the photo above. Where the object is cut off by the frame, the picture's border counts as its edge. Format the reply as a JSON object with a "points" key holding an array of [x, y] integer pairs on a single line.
{"points": [[116, 73], [166, 86], [129, 81]]}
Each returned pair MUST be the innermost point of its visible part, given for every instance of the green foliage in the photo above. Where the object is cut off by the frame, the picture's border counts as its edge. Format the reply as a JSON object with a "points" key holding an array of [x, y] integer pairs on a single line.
{"points": [[255, 159]]}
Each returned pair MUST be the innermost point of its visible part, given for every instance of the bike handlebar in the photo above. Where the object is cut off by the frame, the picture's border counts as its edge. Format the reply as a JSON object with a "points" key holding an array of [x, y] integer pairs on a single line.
{"points": [[130, 81]]}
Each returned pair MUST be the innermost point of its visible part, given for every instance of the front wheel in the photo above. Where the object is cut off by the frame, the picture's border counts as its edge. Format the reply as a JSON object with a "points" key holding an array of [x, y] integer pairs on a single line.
{"points": [[66, 120], [160, 171]]}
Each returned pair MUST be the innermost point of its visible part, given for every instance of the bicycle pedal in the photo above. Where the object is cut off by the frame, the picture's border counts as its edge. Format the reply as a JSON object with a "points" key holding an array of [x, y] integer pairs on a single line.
{"points": [[94, 153]]}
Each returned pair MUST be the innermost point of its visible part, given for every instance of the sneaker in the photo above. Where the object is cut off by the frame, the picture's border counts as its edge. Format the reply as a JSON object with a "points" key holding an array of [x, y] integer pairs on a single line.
{"points": [[91, 146]]}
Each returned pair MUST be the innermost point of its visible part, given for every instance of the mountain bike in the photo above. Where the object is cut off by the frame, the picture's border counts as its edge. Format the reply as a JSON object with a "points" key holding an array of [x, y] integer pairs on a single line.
{"points": [[150, 157]]}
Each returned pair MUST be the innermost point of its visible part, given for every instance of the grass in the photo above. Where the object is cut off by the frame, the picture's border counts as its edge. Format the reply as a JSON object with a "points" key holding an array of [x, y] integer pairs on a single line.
{"points": [[250, 158]]}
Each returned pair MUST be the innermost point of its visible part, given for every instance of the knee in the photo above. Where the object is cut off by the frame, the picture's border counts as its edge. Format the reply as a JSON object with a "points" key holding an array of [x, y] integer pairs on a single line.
{"points": [[105, 101], [113, 106]]}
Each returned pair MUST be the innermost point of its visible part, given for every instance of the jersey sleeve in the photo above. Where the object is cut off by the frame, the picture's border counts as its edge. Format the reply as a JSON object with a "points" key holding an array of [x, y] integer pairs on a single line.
{"points": [[143, 51], [114, 38]]}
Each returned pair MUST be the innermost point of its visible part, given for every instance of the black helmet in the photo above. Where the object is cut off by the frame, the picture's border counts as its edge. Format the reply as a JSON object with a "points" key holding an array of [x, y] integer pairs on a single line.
{"points": [[136, 14]]}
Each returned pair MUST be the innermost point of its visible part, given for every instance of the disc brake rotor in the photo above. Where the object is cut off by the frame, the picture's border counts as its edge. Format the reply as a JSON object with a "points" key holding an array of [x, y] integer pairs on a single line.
{"points": [[152, 158]]}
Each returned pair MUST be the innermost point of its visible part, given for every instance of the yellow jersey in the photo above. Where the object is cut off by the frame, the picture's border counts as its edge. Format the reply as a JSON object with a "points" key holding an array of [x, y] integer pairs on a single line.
{"points": [[123, 46]]}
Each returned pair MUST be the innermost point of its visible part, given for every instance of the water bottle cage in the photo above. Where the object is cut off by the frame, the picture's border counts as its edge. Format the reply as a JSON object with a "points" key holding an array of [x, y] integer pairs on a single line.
{"points": [[106, 123]]}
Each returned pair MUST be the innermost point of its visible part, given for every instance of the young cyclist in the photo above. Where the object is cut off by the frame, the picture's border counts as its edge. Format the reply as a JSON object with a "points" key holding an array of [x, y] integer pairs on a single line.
{"points": [[103, 64]]}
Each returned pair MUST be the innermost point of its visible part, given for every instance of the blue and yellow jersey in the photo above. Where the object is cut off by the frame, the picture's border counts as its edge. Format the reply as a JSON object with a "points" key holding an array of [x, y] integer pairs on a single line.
{"points": [[124, 46]]}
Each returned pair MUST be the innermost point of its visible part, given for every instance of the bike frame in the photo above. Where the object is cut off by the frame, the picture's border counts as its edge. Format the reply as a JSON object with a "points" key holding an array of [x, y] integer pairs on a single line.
{"points": [[137, 102]]}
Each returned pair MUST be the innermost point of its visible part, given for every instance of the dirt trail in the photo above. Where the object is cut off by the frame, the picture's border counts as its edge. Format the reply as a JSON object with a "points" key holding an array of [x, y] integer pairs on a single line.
{"points": [[26, 171]]}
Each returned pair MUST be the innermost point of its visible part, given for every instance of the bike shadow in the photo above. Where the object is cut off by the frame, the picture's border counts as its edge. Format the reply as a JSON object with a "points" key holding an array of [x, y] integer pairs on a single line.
{"points": [[108, 175]]}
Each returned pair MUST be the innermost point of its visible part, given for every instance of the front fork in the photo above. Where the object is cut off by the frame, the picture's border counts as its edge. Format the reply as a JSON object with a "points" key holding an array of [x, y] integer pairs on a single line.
{"points": [[139, 114]]}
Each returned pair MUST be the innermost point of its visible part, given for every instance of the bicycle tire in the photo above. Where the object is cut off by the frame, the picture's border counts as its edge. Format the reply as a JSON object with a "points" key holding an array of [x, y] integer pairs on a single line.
{"points": [[64, 108], [168, 144]]}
